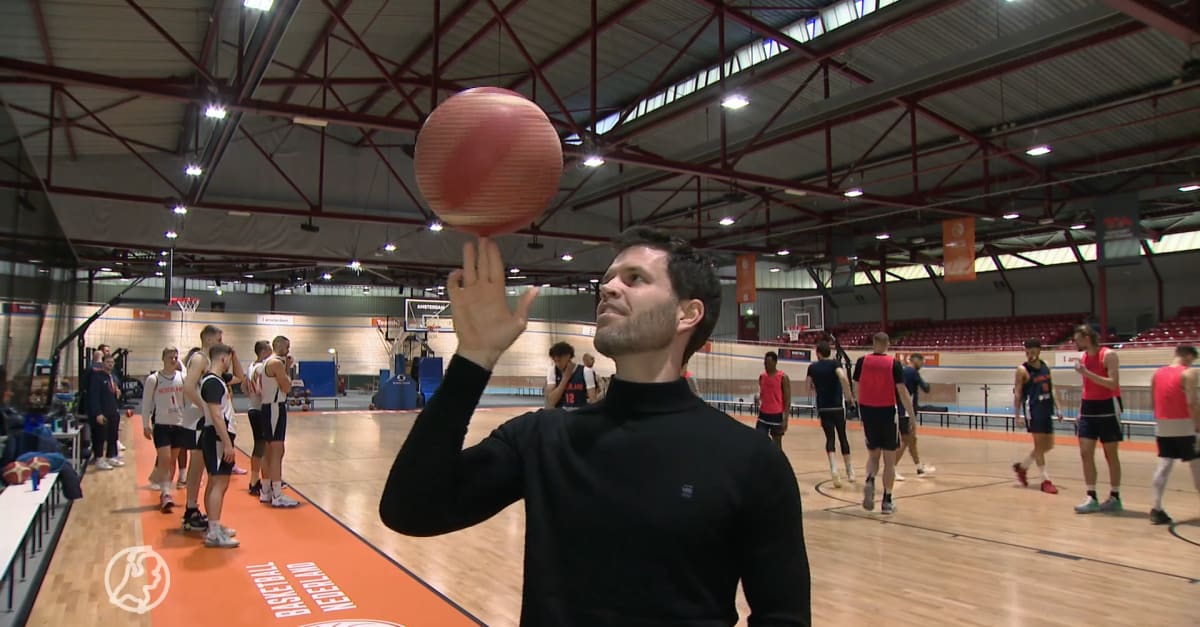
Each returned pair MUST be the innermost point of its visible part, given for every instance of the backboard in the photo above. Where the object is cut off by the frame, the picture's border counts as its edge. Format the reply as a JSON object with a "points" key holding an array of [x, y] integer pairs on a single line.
{"points": [[427, 315], [807, 312]]}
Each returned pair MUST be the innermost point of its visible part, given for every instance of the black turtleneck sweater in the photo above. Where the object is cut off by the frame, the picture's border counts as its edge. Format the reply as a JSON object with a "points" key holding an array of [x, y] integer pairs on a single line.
{"points": [[642, 510]]}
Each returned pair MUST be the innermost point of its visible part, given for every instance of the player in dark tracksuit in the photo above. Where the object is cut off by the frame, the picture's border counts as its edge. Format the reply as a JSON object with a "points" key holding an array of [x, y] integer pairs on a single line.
{"points": [[104, 415]]}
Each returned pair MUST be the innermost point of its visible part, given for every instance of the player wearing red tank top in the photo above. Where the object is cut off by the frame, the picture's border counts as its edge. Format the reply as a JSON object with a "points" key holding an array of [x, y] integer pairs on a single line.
{"points": [[1176, 423], [1099, 417], [775, 397], [880, 381]]}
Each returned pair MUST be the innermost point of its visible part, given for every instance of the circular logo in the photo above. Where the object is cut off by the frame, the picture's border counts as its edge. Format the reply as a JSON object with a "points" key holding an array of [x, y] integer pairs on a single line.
{"points": [[355, 622], [120, 579]]}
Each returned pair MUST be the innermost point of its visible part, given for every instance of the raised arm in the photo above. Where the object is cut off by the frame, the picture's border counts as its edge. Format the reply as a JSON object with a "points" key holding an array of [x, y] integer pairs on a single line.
{"points": [[435, 486], [775, 571]]}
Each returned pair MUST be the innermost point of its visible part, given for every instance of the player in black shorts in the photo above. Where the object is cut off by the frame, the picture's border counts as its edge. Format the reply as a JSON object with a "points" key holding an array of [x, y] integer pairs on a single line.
{"points": [[880, 381], [1176, 423], [258, 427], [1034, 391], [831, 391], [216, 444]]}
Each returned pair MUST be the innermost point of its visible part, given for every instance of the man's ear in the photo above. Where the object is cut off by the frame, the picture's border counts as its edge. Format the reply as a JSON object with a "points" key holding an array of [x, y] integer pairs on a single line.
{"points": [[691, 313]]}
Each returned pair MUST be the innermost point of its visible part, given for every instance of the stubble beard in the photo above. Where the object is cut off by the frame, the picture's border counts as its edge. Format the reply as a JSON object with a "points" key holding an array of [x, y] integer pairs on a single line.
{"points": [[649, 331]]}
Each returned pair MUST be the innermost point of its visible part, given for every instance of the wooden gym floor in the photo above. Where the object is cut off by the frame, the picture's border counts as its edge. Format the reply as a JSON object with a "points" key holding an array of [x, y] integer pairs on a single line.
{"points": [[967, 546]]}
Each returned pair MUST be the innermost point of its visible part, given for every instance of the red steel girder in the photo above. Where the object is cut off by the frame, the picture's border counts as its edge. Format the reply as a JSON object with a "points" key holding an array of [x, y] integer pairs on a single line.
{"points": [[533, 65], [1160, 18], [75, 121], [44, 37], [654, 84], [266, 155], [775, 116], [200, 69], [123, 142], [66, 76], [319, 42], [192, 112], [362, 46]]}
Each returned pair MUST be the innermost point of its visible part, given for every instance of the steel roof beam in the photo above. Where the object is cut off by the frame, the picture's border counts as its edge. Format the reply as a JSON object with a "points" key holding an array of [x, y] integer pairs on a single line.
{"points": [[192, 112], [264, 41], [1160, 18], [319, 42], [44, 38]]}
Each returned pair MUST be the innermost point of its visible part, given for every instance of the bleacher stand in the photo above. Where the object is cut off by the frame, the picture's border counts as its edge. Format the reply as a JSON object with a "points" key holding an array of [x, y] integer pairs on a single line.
{"points": [[992, 333], [1184, 327]]}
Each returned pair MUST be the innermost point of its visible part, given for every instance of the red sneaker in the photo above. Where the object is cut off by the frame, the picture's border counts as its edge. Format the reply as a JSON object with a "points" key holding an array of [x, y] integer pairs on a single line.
{"points": [[1048, 487], [1020, 474]]}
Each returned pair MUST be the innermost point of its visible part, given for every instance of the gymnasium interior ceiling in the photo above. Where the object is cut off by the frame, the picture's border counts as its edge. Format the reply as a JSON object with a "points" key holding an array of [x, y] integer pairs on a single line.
{"points": [[926, 106]]}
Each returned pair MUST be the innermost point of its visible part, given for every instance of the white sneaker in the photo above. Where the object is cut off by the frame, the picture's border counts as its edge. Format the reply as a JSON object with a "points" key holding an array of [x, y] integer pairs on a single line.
{"points": [[925, 470], [157, 487], [229, 531], [850, 475], [264, 496], [120, 445], [217, 538], [116, 461], [103, 464], [899, 477], [280, 500], [837, 480]]}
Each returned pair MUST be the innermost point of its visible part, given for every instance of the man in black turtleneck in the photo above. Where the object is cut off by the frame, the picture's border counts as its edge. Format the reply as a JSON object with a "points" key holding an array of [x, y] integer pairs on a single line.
{"points": [[644, 509]]}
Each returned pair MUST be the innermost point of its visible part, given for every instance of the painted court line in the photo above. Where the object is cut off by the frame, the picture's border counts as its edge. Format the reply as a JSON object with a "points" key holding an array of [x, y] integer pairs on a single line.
{"points": [[294, 567]]}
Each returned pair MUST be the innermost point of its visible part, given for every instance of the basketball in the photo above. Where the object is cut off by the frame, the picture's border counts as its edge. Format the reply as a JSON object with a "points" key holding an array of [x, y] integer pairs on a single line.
{"points": [[488, 161], [16, 473], [40, 465]]}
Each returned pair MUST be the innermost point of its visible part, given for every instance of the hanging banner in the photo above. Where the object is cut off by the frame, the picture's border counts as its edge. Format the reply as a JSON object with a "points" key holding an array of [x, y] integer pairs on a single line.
{"points": [[1118, 234], [746, 287], [958, 250]]}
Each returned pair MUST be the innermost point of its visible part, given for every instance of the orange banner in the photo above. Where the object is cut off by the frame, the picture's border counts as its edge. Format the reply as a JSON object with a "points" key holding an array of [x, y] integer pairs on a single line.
{"points": [[152, 314], [958, 249], [746, 289]]}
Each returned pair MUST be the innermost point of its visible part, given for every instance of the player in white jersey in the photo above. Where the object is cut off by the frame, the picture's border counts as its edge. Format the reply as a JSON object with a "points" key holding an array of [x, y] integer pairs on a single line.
{"points": [[216, 444], [197, 363], [275, 387], [253, 387], [162, 421]]}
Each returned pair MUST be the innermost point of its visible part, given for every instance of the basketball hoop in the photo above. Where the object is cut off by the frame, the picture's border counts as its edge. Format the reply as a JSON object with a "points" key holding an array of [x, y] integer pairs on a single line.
{"points": [[794, 333], [186, 304], [432, 326]]}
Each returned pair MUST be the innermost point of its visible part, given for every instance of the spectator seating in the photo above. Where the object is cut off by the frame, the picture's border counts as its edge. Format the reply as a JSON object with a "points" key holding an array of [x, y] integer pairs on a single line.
{"points": [[1184, 327], [992, 333]]}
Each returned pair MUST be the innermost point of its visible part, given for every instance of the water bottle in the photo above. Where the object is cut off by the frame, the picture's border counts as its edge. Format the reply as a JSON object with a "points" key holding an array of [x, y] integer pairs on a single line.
{"points": [[37, 479]]}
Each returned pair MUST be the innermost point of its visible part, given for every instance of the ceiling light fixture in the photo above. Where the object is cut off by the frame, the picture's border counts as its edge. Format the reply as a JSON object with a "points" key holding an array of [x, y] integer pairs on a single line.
{"points": [[435, 226], [390, 247], [593, 280], [354, 265], [853, 192], [326, 276], [726, 221], [158, 273], [193, 170], [1039, 150], [1078, 226], [735, 102], [171, 235], [1190, 187], [883, 236], [774, 270], [180, 210], [1011, 215], [593, 161], [783, 252], [162, 264], [248, 276], [568, 257], [215, 112], [258, 5], [514, 271]]}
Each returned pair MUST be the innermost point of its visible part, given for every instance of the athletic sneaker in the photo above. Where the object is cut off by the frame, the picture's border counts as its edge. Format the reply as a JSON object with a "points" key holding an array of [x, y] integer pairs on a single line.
{"points": [[837, 480], [115, 461], [264, 494], [229, 531], [1022, 474], [850, 475], [1048, 487], [102, 464], [166, 503], [238, 470], [1087, 507], [218, 539], [193, 520], [924, 470], [1112, 504], [280, 500], [900, 477], [868, 501], [1159, 517], [256, 488], [888, 507], [181, 484]]}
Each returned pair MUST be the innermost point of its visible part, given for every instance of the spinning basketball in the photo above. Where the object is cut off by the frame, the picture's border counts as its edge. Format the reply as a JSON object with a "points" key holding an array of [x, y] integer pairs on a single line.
{"points": [[488, 161]]}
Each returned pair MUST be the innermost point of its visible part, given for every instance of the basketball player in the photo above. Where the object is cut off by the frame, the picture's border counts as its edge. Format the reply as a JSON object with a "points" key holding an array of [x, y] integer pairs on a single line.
{"points": [[197, 365], [880, 380], [1034, 391], [1176, 423], [253, 385], [567, 383], [276, 383], [914, 384], [1099, 417], [216, 443], [831, 390], [162, 422], [645, 508], [774, 399], [592, 378]]}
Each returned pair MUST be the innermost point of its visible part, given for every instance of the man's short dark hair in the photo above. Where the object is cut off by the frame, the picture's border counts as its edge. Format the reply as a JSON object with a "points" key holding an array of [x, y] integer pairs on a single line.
{"points": [[1033, 342], [823, 349], [692, 274], [218, 350], [1186, 350], [916, 356], [209, 331], [881, 338], [772, 356], [562, 349], [262, 346]]}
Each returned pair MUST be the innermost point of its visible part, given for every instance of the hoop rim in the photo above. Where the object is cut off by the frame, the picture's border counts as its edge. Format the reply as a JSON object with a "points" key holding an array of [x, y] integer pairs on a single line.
{"points": [[186, 303]]}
